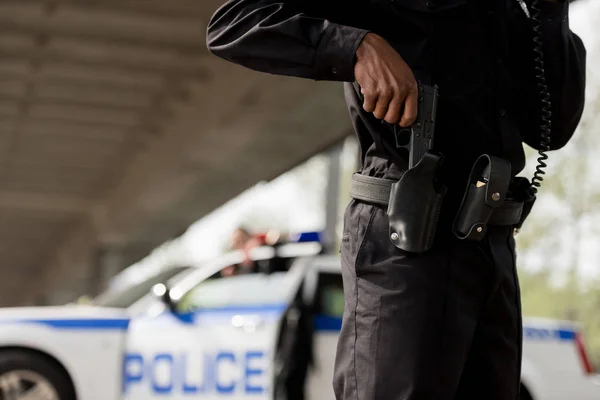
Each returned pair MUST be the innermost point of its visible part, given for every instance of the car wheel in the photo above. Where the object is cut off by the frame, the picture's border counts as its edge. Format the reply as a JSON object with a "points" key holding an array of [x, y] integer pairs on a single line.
{"points": [[29, 375]]}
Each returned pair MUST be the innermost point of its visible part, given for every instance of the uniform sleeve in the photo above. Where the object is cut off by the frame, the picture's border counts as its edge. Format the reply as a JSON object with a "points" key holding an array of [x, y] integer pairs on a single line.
{"points": [[304, 38], [564, 63]]}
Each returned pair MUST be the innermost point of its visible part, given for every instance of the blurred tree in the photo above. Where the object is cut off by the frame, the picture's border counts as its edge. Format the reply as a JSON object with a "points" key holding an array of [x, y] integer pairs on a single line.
{"points": [[551, 246]]}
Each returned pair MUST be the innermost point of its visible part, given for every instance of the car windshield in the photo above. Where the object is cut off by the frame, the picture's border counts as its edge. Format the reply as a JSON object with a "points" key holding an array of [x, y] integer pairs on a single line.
{"points": [[215, 291], [238, 291], [125, 296]]}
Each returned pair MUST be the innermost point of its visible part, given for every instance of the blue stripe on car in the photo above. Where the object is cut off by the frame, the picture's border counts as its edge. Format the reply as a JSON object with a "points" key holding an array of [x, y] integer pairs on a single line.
{"points": [[562, 334], [208, 316], [324, 323], [75, 323], [203, 316]]}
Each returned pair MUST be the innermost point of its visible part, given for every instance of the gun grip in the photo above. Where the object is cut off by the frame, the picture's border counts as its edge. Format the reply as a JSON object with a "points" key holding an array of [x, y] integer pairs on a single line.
{"points": [[414, 207]]}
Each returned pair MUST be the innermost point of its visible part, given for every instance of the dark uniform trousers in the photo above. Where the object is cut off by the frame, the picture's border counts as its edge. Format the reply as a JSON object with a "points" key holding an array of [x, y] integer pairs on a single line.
{"points": [[441, 325]]}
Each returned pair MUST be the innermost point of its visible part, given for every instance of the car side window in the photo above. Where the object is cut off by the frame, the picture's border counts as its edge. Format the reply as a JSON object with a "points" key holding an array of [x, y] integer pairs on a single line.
{"points": [[329, 300]]}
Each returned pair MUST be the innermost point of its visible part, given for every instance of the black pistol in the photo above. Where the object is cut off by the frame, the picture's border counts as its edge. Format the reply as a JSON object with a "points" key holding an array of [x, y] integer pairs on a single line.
{"points": [[417, 139], [416, 199]]}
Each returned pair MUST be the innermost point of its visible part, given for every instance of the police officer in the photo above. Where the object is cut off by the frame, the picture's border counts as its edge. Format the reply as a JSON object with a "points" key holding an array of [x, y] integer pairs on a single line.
{"points": [[445, 323]]}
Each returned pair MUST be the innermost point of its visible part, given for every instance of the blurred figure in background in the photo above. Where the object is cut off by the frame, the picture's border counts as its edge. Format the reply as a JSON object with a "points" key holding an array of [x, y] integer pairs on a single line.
{"points": [[239, 238], [242, 239]]}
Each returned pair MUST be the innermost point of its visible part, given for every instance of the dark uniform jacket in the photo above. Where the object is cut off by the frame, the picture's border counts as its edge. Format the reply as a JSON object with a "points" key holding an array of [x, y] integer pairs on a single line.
{"points": [[479, 53]]}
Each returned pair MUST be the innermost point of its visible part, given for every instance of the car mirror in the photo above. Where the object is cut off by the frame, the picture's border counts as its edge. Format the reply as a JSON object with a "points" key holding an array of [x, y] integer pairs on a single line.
{"points": [[163, 293]]}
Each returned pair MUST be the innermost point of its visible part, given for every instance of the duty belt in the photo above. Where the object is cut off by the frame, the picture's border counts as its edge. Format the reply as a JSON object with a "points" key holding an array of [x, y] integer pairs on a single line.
{"points": [[377, 191]]}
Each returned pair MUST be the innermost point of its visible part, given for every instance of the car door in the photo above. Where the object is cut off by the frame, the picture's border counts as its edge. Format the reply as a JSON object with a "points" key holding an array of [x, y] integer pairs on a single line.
{"points": [[325, 292], [217, 342]]}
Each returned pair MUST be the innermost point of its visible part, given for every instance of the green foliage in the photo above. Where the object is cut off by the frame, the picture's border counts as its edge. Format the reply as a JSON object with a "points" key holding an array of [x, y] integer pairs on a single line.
{"points": [[566, 215], [566, 302]]}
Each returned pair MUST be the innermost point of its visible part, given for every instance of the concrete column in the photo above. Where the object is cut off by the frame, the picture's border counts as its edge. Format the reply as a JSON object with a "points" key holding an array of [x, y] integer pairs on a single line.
{"points": [[69, 270], [109, 262], [332, 193], [82, 265], [349, 163]]}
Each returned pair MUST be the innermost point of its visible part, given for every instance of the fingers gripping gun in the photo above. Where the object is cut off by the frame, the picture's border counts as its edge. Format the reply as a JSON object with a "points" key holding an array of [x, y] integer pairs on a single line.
{"points": [[416, 199]]}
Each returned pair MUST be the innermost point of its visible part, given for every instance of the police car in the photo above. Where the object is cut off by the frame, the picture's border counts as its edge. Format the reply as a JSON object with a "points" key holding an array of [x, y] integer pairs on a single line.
{"points": [[190, 333]]}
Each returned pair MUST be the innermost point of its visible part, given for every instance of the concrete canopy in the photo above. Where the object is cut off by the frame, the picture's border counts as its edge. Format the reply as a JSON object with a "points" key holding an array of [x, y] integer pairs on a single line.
{"points": [[118, 129]]}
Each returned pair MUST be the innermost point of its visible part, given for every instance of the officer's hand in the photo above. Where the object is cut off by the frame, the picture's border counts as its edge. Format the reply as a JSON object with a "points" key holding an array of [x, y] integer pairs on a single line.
{"points": [[387, 83]]}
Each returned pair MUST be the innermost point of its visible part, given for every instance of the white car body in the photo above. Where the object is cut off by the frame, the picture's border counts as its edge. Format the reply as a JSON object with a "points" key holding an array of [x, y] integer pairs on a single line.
{"points": [[226, 349]]}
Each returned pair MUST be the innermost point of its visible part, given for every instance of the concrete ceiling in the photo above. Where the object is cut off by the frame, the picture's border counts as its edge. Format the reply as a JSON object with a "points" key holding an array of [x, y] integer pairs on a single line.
{"points": [[118, 129]]}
